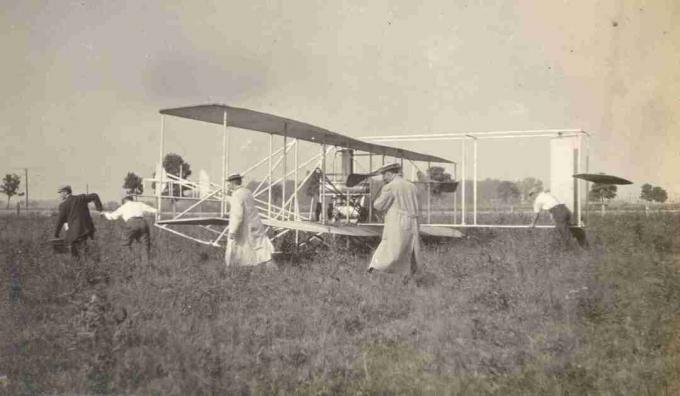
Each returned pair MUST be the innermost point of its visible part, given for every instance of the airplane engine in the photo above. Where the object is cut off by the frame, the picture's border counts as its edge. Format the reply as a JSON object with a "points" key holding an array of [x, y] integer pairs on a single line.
{"points": [[344, 212], [356, 210]]}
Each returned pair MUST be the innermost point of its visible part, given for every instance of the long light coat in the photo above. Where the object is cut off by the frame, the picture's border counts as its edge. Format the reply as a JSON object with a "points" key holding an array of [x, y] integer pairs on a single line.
{"points": [[251, 246], [399, 249]]}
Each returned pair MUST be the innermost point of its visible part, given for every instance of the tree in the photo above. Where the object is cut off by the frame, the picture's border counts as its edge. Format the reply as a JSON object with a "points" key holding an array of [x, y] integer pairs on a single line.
{"points": [[10, 185], [650, 193], [659, 194], [527, 184], [174, 164], [313, 183], [507, 191], [601, 192], [435, 174], [133, 184], [646, 192]]}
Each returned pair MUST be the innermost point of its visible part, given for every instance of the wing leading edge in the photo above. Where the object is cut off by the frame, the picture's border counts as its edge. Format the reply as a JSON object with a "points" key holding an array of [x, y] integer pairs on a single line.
{"points": [[356, 230], [269, 123]]}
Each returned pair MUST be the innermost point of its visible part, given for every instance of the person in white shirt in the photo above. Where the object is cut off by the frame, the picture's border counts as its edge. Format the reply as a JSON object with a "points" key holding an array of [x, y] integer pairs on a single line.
{"points": [[248, 243], [560, 213], [136, 228]]}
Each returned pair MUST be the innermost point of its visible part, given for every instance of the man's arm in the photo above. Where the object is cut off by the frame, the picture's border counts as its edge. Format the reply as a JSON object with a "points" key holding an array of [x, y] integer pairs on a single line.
{"points": [[149, 209], [384, 200], [60, 220], [113, 215], [538, 206], [97, 202], [533, 223]]}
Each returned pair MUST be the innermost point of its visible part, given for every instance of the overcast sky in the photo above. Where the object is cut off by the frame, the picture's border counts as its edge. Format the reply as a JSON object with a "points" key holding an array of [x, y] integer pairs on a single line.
{"points": [[84, 80]]}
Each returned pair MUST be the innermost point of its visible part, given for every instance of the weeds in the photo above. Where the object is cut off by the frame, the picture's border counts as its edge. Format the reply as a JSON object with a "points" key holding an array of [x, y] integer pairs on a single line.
{"points": [[493, 313]]}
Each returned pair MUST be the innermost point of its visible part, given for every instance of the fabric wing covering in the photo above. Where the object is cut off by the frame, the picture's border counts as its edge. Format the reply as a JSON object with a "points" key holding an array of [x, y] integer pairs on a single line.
{"points": [[268, 123]]}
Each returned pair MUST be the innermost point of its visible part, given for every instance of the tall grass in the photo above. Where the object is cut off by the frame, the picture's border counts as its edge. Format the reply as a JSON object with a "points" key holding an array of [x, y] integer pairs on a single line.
{"points": [[497, 312]]}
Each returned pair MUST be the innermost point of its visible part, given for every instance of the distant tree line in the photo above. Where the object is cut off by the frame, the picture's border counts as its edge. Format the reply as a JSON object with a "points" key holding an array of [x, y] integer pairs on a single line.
{"points": [[489, 191]]}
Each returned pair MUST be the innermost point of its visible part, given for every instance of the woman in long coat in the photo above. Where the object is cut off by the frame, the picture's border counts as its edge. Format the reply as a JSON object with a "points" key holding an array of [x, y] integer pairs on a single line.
{"points": [[399, 249]]}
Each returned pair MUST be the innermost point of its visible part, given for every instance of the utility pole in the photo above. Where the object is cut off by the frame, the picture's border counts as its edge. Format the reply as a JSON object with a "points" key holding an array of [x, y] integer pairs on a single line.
{"points": [[26, 181]]}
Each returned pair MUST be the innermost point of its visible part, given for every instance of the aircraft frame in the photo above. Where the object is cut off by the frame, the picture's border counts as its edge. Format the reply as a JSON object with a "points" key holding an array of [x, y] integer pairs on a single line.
{"points": [[287, 216], [580, 164]]}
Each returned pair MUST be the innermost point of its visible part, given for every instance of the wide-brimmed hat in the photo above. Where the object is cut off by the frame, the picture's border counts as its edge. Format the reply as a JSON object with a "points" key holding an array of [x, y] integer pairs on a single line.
{"points": [[65, 188], [394, 168], [235, 176]]}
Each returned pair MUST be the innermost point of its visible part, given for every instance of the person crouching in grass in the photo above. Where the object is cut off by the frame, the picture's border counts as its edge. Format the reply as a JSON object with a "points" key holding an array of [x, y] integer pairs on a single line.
{"points": [[136, 227], [545, 201]]}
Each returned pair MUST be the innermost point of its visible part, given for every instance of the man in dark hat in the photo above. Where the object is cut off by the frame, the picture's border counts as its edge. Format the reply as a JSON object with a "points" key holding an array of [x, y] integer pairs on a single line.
{"points": [[248, 243], [399, 250], [74, 212]]}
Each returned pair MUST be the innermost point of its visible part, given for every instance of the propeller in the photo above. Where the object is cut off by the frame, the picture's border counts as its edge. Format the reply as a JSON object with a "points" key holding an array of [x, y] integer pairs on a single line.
{"points": [[447, 186], [602, 178], [355, 178]]}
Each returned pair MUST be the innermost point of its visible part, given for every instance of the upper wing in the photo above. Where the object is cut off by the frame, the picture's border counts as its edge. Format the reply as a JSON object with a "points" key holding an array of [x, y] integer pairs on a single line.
{"points": [[269, 123]]}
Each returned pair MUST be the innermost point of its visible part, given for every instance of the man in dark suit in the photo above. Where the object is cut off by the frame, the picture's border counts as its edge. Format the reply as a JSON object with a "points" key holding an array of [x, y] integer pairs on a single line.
{"points": [[74, 212]]}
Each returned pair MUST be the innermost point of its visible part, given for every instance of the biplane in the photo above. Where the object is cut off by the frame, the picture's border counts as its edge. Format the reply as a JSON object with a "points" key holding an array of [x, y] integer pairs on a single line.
{"points": [[339, 207], [343, 194]]}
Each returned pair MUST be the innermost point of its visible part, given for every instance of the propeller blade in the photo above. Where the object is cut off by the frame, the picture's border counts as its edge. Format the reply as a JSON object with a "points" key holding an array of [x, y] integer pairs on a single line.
{"points": [[355, 178], [448, 187], [602, 178]]}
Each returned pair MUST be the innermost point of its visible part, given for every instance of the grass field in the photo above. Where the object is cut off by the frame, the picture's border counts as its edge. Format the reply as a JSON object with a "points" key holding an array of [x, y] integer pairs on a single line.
{"points": [[495, 313]]}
